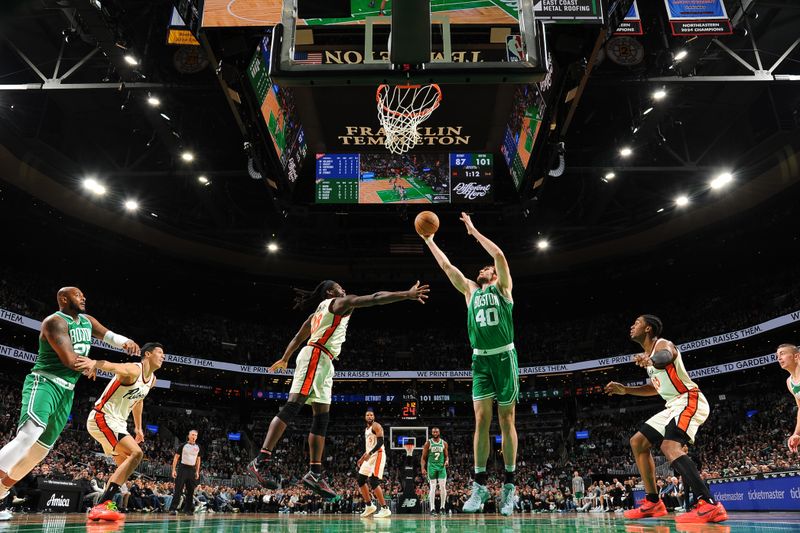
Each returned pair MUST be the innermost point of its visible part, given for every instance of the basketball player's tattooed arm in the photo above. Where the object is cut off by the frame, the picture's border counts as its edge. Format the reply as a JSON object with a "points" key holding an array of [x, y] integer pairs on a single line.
{"points": [[99, 332], [457, 278], [56, 332], [298, 340], [613, 388], [504, 282], [345, 304]]}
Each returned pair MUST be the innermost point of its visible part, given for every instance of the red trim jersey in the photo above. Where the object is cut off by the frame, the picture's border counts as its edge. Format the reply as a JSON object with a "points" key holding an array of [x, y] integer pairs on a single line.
{"points": [[117, 400], [672, 381], [328, 330]]}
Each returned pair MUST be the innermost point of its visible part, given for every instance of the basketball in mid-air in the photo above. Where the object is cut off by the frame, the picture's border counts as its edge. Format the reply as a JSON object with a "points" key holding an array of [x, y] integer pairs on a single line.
{"points": [[426, 223]]}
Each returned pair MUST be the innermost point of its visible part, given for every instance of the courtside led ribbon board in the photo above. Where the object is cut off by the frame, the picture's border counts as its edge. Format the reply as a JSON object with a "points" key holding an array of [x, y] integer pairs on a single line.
{"points": [[632, 23], [698, 17]]}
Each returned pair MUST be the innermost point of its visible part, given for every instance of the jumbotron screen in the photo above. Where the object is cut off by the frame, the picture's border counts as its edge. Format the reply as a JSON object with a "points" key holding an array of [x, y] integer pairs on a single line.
{"points": [[423, 178]]}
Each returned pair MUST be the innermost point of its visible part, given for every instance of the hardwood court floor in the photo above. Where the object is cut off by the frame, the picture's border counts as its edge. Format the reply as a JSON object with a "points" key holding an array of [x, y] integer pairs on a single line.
{"points": [[520, 523]]}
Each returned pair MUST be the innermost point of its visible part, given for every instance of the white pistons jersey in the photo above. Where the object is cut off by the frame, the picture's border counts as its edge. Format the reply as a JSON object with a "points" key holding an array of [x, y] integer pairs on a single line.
{"points": [[370, 440], [117, 401], [328, 330], [672, 381]]}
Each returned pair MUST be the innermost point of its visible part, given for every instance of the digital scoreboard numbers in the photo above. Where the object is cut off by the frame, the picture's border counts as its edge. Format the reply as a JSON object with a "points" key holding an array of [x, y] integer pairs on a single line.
{"points": [[471, 177], [337, 178], [409, 407]]}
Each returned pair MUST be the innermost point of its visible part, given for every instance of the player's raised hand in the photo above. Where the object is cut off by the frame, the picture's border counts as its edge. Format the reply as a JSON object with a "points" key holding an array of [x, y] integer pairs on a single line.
{"points": [[642, 360], [131, 348], [419, 292], [613, 388], [467, 222], [280, 364], [794, 443]]}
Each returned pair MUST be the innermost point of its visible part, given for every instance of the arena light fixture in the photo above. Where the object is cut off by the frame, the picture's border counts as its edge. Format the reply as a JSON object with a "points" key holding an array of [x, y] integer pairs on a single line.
{"points": [[165, 116], [153, 101], [660, 210], [187, 156], [681, 54], [659, 94], [94, 186], [625, 151], [610, 176], [682, 200], [131, 205], [129, 59], [273, 247], [647, 111], [204, 180], [722, 180], [543, 244]]}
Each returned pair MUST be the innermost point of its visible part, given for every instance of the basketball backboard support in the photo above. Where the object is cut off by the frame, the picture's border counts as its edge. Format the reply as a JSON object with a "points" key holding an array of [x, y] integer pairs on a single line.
{"points": [[285, 70]]}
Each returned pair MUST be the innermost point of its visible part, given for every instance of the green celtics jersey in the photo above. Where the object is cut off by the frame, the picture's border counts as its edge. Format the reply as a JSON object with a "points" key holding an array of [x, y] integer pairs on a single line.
{"points": [[436, 454], [80, 333], [489, 320]]}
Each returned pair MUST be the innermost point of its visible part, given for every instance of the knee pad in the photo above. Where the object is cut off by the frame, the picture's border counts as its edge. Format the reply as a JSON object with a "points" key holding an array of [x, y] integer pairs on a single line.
{"points": [[289, 411], [374, 482], [362, 480], [319, 424]]}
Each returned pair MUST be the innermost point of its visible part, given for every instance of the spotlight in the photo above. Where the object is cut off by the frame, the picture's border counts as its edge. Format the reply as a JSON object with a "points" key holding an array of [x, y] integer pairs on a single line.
{"points": [[272, 247], [610, 176], [131, 205], [660, 210], [187, 156], [204, 180], [659, 94], [625, 151], [129, 59], [153, 101], [721, 180], [646, 111], [94, 186], [543, 244], [681, 54], [165, 116], [682, 201]]}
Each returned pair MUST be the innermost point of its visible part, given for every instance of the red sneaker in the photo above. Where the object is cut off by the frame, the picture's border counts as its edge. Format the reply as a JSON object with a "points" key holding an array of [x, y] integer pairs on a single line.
{"points": [[703, 512], [105, 511], [647, 509]]}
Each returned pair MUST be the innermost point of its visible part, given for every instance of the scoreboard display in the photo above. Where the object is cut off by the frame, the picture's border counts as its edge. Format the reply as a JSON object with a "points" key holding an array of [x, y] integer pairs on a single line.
{"points": [[423, 178]]}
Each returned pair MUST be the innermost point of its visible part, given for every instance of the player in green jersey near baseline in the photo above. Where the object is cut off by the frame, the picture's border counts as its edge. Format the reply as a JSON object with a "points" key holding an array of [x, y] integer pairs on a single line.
{"points": [[437, 455], [47, 393], [495, 374]]}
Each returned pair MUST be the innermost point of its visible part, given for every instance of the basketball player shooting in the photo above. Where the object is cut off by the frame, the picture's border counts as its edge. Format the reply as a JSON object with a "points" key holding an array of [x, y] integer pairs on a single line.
{"points": [[312, 383], [685, 411], [495, 373], [108, 421], [49, 389]]}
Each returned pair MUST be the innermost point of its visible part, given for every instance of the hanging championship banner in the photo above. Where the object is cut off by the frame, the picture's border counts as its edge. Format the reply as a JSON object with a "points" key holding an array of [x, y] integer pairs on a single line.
{"points": [[698, 17], [632, 23]]}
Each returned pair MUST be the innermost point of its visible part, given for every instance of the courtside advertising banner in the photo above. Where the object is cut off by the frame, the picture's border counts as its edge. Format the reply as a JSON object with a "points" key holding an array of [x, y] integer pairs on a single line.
{"points": [[632, 23], [698, 17]]}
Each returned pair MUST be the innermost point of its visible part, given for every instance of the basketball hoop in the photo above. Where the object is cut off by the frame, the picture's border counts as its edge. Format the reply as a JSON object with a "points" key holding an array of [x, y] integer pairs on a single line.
{"points": [[409, 449], [401, 108]]}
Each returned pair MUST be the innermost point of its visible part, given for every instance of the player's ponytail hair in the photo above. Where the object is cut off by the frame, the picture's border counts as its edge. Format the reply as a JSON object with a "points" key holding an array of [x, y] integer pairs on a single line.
{"points": [[304, 300]]}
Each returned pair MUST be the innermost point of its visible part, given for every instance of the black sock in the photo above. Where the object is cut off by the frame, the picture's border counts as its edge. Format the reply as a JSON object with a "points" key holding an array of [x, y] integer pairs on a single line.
{"points": [[652, 498], [264, 455], [108, 494], [481, 478], [316, 469], [691, 477], [509, 477]]}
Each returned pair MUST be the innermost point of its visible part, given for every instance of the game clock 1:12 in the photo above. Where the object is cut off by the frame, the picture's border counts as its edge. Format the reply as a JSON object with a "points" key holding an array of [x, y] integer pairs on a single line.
{"points": [[409, 410]]}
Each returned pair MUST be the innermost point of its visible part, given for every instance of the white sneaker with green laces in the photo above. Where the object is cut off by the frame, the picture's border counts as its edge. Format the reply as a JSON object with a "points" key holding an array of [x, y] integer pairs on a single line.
{"points": [[507, 499], [477, 498]]}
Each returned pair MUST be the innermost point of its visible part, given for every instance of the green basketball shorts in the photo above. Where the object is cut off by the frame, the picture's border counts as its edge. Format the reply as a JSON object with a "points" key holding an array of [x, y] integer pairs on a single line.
{"points": [[437, 472], [47, 405], [496, 376]]}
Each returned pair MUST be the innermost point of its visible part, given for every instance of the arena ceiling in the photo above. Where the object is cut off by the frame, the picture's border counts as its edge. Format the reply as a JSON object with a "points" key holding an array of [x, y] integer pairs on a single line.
{"points": [[71, 107]]}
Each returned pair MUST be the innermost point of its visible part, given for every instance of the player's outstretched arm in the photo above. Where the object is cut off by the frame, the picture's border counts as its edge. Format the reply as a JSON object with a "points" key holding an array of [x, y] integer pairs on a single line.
{"points": [[456, 277], [99, 331], [504, 282], [56, 333], [347, 303], [298, 340], [613, 388], [126, 372]]}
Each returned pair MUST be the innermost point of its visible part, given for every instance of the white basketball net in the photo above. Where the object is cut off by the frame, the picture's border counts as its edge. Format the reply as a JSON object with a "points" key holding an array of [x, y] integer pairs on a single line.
{"points": [[401, 108]]}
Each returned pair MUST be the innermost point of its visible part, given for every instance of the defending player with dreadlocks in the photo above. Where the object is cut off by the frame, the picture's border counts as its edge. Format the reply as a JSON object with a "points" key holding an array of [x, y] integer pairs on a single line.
{"points": [[325, 331]]}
